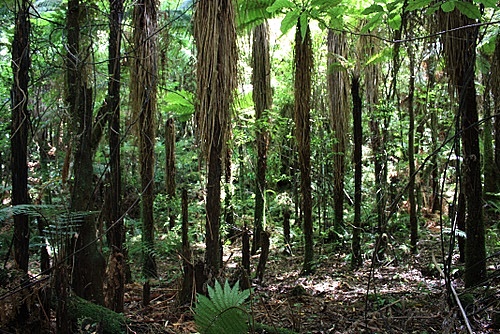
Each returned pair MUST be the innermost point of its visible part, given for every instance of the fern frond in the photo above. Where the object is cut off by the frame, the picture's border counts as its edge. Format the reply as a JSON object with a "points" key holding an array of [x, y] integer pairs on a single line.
{"points": [[224, 311]]}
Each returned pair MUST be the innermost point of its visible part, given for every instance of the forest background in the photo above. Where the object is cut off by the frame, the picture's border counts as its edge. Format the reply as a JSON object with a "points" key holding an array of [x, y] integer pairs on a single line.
{"points": [[150, 141]]}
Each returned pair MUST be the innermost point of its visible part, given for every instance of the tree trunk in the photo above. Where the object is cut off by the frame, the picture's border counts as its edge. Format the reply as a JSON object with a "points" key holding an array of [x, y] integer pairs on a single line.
{"points": [[170, 169], [261, 267], [89, 263], [262, 97], [21, 62], [495, 87], [303, 67], [338, 93], [116, 233], [358, 152], [490, 175], [411, 153], [144, 97], [372, 78], [460, 56], [215, 37], [186, 293]]}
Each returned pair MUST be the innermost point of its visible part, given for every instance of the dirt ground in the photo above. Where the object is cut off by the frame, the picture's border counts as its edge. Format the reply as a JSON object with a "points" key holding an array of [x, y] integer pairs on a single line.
{"points": [[406, 295]]}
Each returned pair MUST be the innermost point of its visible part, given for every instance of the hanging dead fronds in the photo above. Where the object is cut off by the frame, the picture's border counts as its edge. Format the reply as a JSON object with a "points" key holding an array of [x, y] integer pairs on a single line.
{"points": [[338, 98], [368, 47], [455, 42], [302, 85], [338, 86], [215, 36]]}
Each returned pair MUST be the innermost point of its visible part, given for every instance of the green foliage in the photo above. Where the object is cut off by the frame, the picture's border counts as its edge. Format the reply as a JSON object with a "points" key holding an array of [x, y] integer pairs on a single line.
{"points": [[83, 311], [224, 311], [180, 104]]}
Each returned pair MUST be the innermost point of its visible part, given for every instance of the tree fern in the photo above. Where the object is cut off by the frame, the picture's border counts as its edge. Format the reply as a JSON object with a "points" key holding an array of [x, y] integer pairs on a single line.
{"points": [[224, 311]]}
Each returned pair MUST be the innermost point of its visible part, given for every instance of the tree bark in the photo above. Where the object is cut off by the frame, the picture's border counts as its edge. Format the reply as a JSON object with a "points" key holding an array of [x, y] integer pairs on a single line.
{"points": [[303, 67], [186, 293], [21, 62], [215, 37], [262, 97], [144, 97], [460, 56], [411, 154], [358, 167], [170, 169], [116, 233], [338, 93], [89, 264]]}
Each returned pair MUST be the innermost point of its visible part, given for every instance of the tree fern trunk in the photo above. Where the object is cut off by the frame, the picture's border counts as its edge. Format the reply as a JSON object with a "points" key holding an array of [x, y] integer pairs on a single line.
{"points": [[303, 67]]}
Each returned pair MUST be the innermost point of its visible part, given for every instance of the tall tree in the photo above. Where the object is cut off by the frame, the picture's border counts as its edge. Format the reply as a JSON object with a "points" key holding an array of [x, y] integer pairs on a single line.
{"points": [[21, 62], [358, 167], [338, 94], [460, 56], [215, 36], [303, 67], [144, 104], [89, 263], [262, 97], [170, 168], [116, 266], [411, 150], [495, 87], [372, 80]]}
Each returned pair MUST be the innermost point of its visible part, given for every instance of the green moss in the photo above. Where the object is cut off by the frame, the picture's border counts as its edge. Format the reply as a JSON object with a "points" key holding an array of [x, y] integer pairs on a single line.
{"points": [[111, 322]]}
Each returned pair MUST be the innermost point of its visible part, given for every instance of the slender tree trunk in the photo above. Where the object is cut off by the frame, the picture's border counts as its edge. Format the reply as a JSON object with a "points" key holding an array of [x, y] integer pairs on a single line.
{"points": [[490, 175], [460, 56], [338, 92], [303, 67], [144, 97], [372, 78], [21, 62], [116, 233], [495, 88], [215, 36], [262, 97], [411, 153], [186, 293], [358, 152], [89, 263], [170, 168]]}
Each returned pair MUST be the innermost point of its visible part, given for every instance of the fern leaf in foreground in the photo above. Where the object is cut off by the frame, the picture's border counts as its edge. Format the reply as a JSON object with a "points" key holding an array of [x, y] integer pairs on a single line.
{"points": [[224, 312]]}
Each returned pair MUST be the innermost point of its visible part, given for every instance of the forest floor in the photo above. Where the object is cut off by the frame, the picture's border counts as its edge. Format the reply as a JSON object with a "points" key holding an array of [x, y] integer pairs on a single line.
{"points": [[406, 295]]}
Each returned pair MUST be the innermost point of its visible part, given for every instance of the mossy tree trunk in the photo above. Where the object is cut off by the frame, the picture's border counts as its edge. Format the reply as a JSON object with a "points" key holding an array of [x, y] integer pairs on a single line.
{"points": [[303, 68], [116, 233], [89, 264], [262, 97]]}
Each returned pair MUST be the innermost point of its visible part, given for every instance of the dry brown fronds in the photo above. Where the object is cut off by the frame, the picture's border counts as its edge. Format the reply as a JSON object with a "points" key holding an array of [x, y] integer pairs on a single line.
{"points": [[144, 73], [338, 98], [215, 36], [454, 42]]}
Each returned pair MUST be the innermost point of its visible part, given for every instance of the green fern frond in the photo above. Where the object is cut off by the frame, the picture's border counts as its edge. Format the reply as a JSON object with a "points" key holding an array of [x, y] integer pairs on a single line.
{"points": [[224, 311]]}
